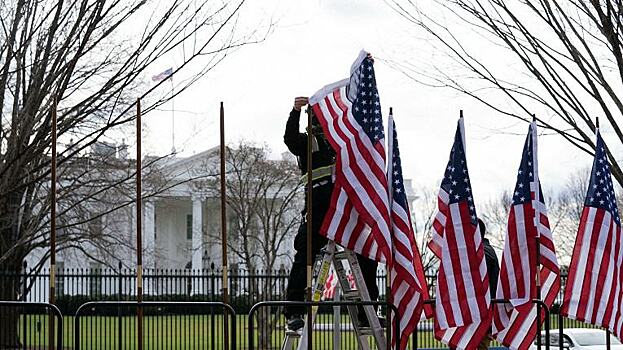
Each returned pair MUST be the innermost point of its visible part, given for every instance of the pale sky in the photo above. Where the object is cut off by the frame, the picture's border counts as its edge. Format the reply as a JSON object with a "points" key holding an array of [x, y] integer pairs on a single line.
{"points": [[314, 44]]}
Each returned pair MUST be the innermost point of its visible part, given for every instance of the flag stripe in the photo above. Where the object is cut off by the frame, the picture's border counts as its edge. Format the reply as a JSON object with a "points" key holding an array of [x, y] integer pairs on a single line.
{"points": [[514, 323], [462, 303], [354, 181], [408, 292]]}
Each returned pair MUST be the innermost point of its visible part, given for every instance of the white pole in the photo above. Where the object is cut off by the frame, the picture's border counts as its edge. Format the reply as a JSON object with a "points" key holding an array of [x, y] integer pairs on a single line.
{"points": [[172, 116], [337, 320]]}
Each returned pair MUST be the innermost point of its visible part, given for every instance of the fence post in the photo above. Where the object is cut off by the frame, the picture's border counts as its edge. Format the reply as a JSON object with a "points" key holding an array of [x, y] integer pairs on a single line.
{"points": [[212, 298], [337, 319], [119, 319], [24, 294]]}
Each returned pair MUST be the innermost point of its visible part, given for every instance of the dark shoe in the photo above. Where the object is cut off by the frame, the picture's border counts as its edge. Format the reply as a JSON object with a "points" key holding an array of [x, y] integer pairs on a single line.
{"points": [[294, 323]]}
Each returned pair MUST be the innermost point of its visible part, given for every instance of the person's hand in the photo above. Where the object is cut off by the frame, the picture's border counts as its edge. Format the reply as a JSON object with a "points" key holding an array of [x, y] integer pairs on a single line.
{"points": [[300, 102], [369, 56]]}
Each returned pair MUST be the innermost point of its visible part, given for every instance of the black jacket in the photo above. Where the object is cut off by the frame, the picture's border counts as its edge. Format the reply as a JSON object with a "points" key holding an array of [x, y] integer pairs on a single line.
{"points": [[493, 266], [324, 156], [297, 144]]}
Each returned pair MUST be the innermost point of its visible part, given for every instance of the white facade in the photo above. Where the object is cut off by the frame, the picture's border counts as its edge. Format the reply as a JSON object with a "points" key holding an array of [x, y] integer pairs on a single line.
{"points": [[181, 225]]}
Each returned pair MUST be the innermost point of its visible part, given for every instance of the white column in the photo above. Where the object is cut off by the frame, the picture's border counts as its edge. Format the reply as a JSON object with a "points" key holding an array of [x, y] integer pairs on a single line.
{"points": [[131, 284], [197, 241], [149, 241], [149, 234]]}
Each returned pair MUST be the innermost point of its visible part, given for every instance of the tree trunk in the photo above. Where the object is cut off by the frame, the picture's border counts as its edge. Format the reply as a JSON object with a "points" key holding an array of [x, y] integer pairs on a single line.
{"points": [[265, 318], [10, 268], [9, 316]]}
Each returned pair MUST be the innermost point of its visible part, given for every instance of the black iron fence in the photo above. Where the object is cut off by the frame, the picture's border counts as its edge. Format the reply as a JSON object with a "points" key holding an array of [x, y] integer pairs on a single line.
{"points": [[19, 318], [171, 327]]}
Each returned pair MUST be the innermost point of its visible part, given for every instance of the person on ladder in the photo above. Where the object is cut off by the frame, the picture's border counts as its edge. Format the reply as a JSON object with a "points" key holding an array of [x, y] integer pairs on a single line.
{"points": [[323, 160]]}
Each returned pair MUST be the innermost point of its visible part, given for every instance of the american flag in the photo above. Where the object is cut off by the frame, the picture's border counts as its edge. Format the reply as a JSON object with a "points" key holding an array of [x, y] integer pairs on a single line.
{"points": [[514, 323], [462, 303], [330, 286], [408, 283], [593, 293], [162, 76], [350, 114]]}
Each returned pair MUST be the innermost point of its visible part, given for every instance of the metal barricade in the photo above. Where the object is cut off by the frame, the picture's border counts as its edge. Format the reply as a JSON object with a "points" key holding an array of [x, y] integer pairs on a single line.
{"points": [[561, 331], [538, 302], [53, 313], [308, 304], [87, 309]]}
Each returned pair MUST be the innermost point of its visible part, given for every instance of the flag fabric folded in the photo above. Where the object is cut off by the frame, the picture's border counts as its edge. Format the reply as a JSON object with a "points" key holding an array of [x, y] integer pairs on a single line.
{"points": [[349, 112], [593, 293], [463, 302], [162, 76], [514, 323], [330, 286], [407, 280]]}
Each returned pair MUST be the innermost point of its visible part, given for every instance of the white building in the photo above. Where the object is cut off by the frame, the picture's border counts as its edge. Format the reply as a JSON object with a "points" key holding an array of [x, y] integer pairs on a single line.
{"points": [[181, 222]]}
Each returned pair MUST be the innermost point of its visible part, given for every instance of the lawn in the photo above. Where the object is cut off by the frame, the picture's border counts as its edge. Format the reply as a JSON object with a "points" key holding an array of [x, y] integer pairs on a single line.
{"points": [[174, 332], [181, 332]]}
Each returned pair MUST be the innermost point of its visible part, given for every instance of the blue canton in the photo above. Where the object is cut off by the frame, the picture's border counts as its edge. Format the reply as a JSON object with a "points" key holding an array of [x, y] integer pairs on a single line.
{"points": [[525, 174], [398, 187], [600, 190], [456, 178], [367, 105]]}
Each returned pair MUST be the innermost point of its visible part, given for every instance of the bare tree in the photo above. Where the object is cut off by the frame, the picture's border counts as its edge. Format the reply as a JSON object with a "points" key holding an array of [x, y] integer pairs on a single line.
{"points": [[263, 199], [562, 60], [564, 209], [565, 212], [424, 211], [494, 213], [91, 57]]}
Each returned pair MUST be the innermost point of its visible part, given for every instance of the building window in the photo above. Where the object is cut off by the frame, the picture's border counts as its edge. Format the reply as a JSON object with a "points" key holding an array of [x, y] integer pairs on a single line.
{"points": [[95, 279], [189, 226]]}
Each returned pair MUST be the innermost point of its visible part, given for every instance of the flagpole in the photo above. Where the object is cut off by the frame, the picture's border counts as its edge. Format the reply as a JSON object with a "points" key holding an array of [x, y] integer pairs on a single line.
{"points": [[388, 290], [537, 201], [309, 225], [139, 236], [224, 225], [173, 116], [462, 125], [607, 330], [52, 296]]}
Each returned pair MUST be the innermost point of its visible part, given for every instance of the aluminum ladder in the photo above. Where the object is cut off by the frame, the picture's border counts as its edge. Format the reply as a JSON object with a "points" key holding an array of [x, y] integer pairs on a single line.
{"points": [[339, 258]]}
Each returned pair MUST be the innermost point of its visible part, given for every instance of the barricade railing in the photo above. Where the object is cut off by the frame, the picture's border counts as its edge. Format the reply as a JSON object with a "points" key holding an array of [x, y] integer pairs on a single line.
{"points": [[561, 335], [87, 309], [505, 301], [21, 308], [308, 304]]}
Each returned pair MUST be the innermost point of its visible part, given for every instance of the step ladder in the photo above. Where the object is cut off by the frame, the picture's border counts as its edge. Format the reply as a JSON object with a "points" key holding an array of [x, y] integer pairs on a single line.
{"points": [[332, 255]]}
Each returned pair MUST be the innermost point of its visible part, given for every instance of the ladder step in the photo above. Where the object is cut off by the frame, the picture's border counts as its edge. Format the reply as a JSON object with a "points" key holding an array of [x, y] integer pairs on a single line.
{"points": [[368, 331], [291, 333], [343, 255], [352, 295]]}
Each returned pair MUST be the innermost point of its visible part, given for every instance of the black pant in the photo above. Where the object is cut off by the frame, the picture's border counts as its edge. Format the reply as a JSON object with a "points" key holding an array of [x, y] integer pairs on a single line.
{"points": [[297, 281]]}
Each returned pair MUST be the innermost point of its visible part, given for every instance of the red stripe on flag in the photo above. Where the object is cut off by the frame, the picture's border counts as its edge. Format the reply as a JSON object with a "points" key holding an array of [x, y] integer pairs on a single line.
{"points": [[577, 251], [457, 272], [586, 286]]}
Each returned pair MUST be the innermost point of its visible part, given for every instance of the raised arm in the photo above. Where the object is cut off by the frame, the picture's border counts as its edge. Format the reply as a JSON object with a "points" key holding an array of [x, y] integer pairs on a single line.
{"points": [[293, 138]]}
